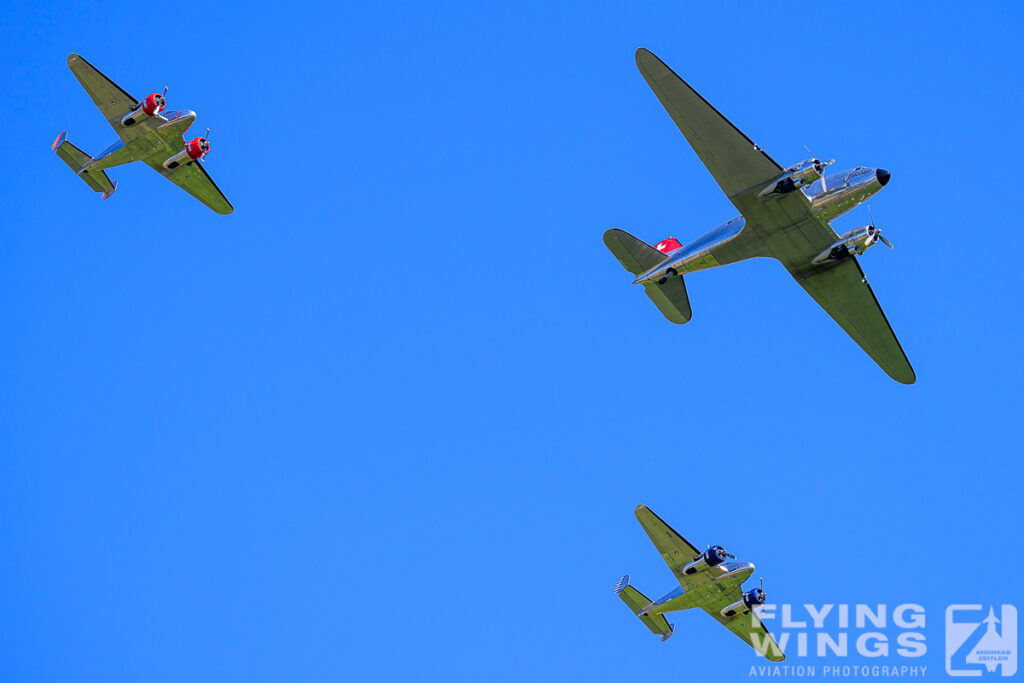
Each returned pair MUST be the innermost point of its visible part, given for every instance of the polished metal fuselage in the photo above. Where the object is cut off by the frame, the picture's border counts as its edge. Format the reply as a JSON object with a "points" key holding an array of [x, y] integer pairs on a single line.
{"points": [[727, 244], [159, 143]]}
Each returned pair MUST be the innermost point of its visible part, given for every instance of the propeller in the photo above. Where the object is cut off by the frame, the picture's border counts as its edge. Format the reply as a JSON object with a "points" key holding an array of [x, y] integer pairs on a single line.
{"points": [[724, 552], [206, 145], [875, 234], [819, 166]]}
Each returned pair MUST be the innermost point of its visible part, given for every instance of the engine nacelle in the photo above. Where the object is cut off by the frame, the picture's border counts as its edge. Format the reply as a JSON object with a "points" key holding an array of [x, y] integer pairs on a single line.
{"points": [[852, 243], [712, 557], [197, 148], [151, 106], [750, 599], [804, 173]]}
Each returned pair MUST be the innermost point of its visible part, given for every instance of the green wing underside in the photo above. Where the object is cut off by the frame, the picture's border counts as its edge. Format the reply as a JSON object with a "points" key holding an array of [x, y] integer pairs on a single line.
{"points": [[729, 155], [749, 628], [785, 223], [785, 226], [194, 179], [843, 293], [674, 549], [112, 100]]}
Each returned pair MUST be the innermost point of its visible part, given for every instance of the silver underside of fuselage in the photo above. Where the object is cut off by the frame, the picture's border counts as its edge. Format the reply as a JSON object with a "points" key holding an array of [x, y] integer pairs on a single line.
{"points": [[736, 240]]}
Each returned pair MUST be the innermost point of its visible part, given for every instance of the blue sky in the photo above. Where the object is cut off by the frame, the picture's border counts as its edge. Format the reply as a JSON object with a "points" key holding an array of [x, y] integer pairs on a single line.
{"points": [[390, 419]]}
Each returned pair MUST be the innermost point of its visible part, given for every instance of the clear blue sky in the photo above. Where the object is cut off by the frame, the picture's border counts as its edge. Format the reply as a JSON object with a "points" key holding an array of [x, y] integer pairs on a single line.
{"points": [[390, 419]]}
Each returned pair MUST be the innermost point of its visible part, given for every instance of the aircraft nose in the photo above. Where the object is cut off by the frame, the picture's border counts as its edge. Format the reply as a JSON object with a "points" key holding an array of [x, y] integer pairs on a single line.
{"points": [[882, 175]]}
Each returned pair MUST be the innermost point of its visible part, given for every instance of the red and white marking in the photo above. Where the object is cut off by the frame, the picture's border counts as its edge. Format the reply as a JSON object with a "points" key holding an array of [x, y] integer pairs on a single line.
{"points": [[668, 244]]}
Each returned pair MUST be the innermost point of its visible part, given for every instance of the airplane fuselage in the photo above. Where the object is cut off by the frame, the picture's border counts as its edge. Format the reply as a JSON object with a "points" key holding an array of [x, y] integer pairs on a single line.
{"points": [[160, 143], [726, 244], [725, 577]]}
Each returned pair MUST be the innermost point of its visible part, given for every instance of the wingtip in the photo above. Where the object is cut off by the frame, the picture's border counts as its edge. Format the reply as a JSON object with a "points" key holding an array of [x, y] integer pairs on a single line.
{"points": [[639, 509], [74, 57], [643, 55], [905, 375], [60, 138]]}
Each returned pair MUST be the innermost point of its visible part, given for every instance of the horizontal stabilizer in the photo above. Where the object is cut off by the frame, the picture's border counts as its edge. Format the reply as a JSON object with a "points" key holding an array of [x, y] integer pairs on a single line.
{"points": [[638, 602], [638, 257], [635, 255], [671, 299], [76, 159]]}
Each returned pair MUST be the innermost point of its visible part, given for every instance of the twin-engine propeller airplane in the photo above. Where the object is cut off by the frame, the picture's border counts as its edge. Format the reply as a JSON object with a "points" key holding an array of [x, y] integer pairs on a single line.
{"points": [[148, 133], [706, 580], [785, 215]]}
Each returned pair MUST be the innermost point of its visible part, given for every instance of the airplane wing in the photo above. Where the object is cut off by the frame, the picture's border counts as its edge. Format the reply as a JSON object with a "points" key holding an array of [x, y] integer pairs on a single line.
{"points": [[736, 163], [748, 627], [194, 179], [112, 100], [740, 167], [844, 295], [675, 550]]}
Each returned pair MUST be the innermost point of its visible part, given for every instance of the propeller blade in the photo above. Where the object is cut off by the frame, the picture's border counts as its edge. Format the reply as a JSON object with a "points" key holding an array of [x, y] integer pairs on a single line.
{"points": [[885, 241], [871, 216]]}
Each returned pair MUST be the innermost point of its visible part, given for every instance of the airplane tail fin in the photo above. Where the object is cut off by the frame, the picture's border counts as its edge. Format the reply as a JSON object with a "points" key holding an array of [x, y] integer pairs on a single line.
{"points": [[638, 602], [76, 159], [638, 257]]}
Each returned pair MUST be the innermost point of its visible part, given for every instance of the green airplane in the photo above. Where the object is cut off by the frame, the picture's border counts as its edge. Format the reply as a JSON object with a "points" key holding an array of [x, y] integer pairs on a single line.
{"points": [[786, 214], [145, 133], [706, 580]]}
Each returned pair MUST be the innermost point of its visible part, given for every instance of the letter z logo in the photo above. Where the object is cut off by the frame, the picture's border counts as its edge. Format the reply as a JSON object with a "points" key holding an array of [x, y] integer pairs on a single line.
{"points": [[977, 644]]}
